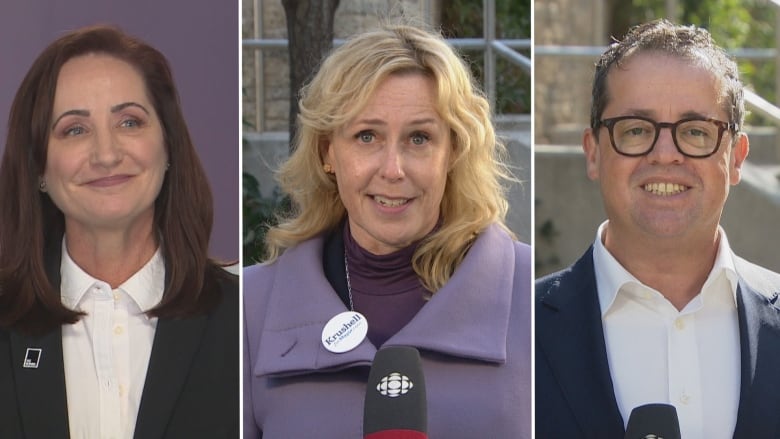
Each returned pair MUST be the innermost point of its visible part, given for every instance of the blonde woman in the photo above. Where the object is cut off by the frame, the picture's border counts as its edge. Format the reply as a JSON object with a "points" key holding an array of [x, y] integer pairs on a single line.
{"points": [[399, 216]]}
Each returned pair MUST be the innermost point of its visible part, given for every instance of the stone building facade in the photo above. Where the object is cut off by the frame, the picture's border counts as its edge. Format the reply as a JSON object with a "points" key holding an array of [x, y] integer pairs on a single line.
{"points": [[562, 84]]}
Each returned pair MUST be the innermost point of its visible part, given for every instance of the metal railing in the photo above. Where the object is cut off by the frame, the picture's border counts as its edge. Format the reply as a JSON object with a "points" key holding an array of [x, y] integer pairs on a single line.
{"points": [[492, 47]]}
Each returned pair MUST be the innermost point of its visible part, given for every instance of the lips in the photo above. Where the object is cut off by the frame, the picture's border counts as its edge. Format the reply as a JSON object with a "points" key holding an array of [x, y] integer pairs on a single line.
{"points": [[390, 202], [665, 189], [111, 180]]}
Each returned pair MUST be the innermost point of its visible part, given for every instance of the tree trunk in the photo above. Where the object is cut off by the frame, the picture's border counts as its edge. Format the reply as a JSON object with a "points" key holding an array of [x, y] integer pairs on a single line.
{"points": [[620, 19], [310, 36]]}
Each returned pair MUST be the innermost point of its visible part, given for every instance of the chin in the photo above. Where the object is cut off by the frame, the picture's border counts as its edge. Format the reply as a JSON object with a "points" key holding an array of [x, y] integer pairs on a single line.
{"points": [[667, 229]]}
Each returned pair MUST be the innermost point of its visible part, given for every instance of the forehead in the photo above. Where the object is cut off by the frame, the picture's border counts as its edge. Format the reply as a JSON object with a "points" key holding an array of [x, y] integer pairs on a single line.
{"points": [[85, 76], [664, 86], [398, 96]]}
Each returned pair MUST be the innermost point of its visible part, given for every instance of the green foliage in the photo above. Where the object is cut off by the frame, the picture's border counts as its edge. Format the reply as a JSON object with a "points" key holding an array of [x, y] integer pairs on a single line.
{"points": [[260, 213], [463, 19]]}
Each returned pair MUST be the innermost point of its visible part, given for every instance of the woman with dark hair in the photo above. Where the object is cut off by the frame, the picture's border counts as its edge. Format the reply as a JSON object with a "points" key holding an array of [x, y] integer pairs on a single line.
{"points": [[114, 322]]}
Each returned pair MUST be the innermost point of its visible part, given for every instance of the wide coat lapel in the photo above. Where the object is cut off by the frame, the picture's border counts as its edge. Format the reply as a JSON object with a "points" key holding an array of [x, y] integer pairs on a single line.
{"points": [[40, 391], [759, 331], [291, 343], [570, 339], [176, 343]]}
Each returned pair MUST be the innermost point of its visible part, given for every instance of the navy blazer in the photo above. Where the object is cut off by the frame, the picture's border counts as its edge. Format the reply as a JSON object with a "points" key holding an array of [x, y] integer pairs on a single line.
{"points": [[191, 388], [574, 393]]}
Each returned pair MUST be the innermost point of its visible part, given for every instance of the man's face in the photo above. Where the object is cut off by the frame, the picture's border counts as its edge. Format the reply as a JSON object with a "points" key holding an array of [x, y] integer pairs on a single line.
{"points": [[663, 194]]}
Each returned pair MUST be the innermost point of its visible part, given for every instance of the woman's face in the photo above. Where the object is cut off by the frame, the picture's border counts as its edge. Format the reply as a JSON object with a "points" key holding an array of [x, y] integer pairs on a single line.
{"points": [[106, 157], [391, 163]]}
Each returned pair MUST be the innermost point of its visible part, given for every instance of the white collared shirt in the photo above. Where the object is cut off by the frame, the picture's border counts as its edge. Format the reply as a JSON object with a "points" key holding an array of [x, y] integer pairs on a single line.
{"points": [[657, 354], [106, 353]]}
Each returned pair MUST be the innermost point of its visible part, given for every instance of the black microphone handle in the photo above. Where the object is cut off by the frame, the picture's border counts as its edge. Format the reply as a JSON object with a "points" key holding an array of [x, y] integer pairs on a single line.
{"points": [[396, 403], [653, 421]]}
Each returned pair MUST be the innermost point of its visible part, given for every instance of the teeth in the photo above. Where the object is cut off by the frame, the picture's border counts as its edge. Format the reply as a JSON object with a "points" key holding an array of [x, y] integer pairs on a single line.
{"points": [[390, 202], [665, 189]]}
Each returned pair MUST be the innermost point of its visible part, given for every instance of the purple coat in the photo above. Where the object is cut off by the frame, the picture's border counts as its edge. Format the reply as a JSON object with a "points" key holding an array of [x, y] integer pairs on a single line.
{"points": [[473, 337]]}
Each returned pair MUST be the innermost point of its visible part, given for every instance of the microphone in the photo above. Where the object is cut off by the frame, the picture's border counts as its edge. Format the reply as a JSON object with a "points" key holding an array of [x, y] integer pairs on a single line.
{"points": [[653, 421], [395, 405]]}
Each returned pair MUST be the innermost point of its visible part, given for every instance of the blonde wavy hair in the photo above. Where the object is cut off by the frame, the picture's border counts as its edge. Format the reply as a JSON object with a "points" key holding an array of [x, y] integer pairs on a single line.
{"points": [[474, 196]]}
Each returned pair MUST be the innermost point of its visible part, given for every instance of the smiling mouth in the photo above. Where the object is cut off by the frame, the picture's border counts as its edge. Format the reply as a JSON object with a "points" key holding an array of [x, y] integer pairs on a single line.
{"points": [[665, 189], [390, 202], [109, 181]]}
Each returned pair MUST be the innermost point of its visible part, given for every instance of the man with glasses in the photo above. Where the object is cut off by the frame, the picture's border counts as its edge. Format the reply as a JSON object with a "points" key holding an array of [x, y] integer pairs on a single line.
{"points": [[659, 309]]}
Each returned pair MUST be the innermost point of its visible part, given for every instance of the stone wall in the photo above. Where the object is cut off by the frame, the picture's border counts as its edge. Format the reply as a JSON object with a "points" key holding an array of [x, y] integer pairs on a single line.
{"points": [[267, 71], [562, 84]]}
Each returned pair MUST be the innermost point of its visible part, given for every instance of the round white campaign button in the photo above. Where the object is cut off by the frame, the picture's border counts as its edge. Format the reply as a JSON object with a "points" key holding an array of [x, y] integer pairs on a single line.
{"points": [[344, 332]]}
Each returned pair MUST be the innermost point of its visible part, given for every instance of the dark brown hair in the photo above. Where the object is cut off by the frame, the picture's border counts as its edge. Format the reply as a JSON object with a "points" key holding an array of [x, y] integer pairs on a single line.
{"points": [[685, 42], [31, 227]]}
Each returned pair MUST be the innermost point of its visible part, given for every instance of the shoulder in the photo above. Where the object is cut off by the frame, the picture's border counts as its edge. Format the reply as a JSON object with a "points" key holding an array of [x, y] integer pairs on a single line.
{"points": [[225, 285], [581, 274], [495, 238], [762, 280], [522, 254], [305, 253], [258, 274]]}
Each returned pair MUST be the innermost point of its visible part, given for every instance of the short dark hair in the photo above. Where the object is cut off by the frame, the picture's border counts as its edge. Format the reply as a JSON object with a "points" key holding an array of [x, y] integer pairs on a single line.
{"points": [[31, 225], [686, 42]]}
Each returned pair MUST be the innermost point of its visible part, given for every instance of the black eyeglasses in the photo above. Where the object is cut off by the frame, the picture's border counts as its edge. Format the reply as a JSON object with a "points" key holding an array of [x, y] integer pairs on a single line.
{"points": [[636, 136]]}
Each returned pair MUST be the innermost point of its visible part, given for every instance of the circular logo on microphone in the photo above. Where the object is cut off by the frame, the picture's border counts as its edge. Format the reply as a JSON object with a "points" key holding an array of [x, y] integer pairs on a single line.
{"points": [[394, 385]]}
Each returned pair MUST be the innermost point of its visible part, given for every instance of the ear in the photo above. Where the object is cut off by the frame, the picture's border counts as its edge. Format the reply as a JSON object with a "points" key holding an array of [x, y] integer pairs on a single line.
{"points": [[738, 155], [590, 145]]}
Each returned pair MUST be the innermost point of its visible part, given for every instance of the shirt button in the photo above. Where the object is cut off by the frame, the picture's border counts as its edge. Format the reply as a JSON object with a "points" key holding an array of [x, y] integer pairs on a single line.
{"points": [[116, 297], [121, 390], [118, 330], [685, 398], [679, 324]]}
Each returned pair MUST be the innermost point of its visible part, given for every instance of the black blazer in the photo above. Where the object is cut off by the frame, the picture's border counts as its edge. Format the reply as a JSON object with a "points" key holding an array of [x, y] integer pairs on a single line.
{"points": [[574, 393], [191, 387]]}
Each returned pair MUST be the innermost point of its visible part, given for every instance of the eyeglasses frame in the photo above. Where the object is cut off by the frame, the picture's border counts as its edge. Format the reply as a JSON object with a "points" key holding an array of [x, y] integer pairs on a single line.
{"points": [[609, 123]]}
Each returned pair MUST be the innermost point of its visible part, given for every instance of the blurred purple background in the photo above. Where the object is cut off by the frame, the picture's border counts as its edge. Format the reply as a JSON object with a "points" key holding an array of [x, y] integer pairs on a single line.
{"points": [[200, 40]]}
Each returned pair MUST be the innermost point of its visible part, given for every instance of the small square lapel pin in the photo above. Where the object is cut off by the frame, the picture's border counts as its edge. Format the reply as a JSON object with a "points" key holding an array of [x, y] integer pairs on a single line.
{"points": [[32, 358]]}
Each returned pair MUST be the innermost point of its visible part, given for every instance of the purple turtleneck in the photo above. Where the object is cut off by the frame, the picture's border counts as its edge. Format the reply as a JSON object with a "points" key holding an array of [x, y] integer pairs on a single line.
{"points": [[385, 288]]}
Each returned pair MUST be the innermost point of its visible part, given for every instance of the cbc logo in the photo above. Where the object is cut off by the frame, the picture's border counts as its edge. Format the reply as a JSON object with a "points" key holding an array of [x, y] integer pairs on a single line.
{"points": [[394, 385]]}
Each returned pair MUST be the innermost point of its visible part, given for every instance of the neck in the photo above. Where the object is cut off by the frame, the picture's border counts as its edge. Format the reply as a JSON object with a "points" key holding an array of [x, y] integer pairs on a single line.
{"points": [[112, 256], [676, 267]]}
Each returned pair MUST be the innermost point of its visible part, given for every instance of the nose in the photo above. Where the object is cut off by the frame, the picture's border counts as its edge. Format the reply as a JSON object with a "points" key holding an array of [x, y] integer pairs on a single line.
{"points": [[106, 150], [392, 163], [665, 151]]}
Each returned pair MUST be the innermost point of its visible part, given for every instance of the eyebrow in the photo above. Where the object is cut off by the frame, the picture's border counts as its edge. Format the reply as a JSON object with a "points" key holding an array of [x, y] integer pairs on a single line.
{"points": [[686, 115], [424, 121], [122, 106], [85, 113]]}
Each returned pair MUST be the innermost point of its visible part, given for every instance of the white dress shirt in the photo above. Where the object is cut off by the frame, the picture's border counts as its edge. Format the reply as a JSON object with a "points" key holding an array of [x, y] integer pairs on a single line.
{"points": [[657, 354], [106, 353]]}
